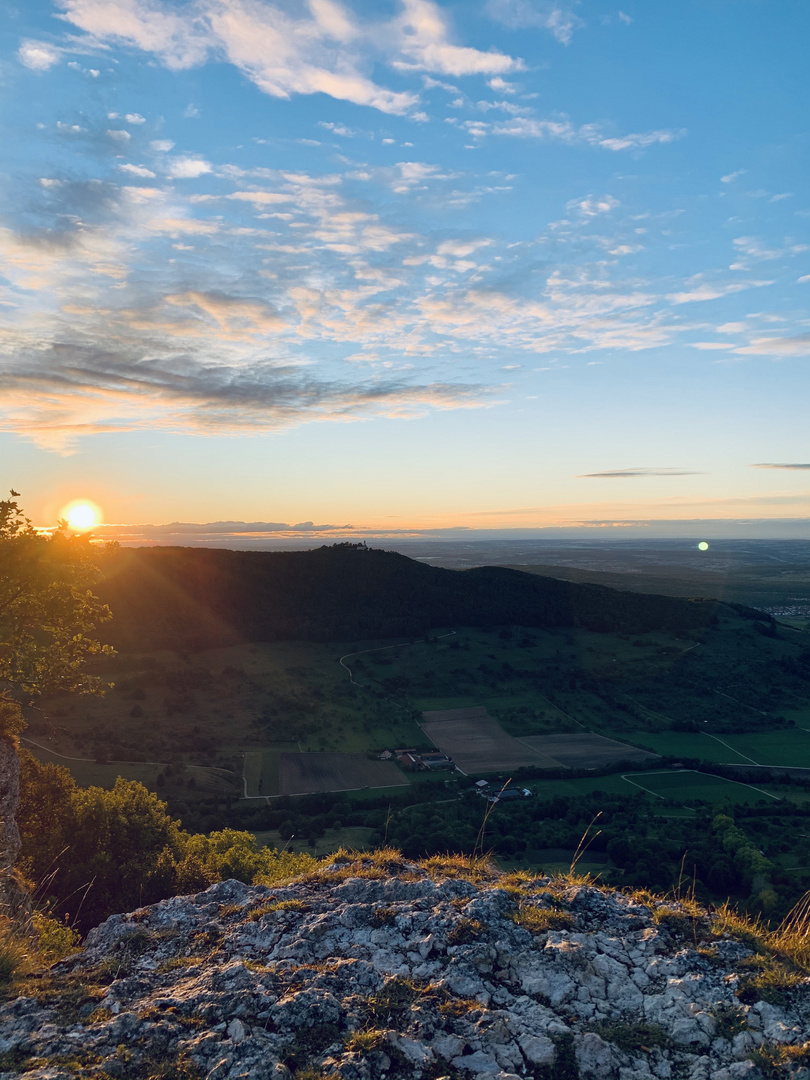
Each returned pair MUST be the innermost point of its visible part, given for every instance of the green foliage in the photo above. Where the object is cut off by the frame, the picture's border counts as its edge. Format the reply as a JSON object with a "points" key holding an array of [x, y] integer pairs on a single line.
{"points": [[773, 982], [309, 1043], [755, 869], [11, 719], [776, 1060], [93, 852], [55, 939], [564, 1066], [393, 1002], [47, 612], [207, 598], [729, 1021]]}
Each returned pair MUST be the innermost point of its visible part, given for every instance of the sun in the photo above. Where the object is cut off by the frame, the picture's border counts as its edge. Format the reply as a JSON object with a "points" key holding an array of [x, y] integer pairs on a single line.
{"points": [[81, 515]]}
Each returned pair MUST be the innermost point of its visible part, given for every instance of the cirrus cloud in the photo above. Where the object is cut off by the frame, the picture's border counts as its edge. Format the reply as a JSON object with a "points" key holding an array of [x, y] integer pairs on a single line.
{"points": [[782, 465], [624, 474]]}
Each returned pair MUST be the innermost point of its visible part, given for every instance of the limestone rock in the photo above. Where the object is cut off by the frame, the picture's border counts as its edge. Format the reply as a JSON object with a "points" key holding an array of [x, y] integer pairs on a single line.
{"points": [[260, 983]]}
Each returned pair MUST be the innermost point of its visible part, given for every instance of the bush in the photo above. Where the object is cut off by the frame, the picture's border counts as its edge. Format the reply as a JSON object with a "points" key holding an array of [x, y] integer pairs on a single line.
{"points": [[55, 939], [94, 852], [11, 720]]}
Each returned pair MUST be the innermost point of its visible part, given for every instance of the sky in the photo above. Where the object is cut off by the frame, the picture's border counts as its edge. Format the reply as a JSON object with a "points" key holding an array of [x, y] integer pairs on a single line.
{"points": [[407, 266]]}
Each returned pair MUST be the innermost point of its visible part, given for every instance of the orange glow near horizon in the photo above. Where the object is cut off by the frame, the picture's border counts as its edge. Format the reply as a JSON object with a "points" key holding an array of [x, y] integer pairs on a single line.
{"points": [[82, 515]]}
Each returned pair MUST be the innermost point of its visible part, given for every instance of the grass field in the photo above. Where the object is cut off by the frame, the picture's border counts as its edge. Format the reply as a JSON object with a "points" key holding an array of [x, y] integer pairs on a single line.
{"points": [[788, 746], [678, 786], [284, 772], [580, 750], [536, 688], [685, 786], [94, 774], [304, 774]]}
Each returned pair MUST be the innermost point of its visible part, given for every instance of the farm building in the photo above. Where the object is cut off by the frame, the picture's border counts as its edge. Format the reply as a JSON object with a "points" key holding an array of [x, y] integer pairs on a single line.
{"points": [[509, 795], [436, 761]]}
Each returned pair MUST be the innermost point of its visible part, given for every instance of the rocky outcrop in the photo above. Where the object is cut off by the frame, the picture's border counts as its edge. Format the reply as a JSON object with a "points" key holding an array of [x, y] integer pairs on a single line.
{"points": [[14, 900], [370, 970]]}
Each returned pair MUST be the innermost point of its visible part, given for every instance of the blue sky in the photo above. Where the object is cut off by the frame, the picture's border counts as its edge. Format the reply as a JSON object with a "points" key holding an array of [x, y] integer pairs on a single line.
{"points": [[508, 263]]}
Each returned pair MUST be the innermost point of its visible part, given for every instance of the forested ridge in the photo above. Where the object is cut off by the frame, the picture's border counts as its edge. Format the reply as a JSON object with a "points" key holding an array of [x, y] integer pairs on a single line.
{"points": [[201, 598]]}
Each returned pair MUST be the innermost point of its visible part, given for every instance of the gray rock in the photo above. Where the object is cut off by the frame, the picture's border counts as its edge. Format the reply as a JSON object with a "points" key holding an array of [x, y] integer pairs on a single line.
{"points": [[324, 989]]}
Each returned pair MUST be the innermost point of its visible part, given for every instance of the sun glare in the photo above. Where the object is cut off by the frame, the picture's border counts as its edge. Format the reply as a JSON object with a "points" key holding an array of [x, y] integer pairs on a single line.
{"points": [[81, 515]]}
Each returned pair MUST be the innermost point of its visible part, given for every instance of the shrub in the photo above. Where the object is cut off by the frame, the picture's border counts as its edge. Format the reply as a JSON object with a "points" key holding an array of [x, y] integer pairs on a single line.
{"points": [[55, 939]]}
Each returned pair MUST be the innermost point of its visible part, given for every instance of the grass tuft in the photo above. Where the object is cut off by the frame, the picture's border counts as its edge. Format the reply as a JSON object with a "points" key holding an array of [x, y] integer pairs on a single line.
{"points": [[538, 920], [276, 905], [366, 1041], [16, 958], [394, 1000], [774, 1060], [383, 916], [729, 1021], [632, 1036], [467, 867], [465, 932]]}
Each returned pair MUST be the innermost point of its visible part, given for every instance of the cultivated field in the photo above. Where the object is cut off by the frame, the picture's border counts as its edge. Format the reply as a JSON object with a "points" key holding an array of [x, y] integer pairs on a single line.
{"points": [[478, 744], [304, 774], [585, 750]]}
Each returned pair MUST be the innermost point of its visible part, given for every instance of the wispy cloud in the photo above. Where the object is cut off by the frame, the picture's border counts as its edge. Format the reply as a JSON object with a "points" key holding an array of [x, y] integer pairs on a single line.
{"points": [[782, 465], [72, 390], [712, 291], [563, 130], [797, 345], [752, 249], [141, 171], [323, 48], [559, 19], [622, 474]]}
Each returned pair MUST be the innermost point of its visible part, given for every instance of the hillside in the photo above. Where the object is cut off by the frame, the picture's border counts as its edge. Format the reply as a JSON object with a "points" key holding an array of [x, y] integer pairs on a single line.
{"points": [[380, 968], [195, 599]]}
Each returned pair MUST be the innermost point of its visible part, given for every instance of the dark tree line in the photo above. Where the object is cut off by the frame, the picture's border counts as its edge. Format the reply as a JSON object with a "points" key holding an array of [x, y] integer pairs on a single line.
{"points": [[200, 598]]}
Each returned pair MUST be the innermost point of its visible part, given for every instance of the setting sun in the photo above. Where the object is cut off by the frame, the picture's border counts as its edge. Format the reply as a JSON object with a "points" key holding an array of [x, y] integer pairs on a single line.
{"points": [[81, 515]]}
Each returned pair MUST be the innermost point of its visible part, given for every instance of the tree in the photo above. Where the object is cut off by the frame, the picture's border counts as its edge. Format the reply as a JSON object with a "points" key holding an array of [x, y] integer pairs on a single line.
{"points": [[47, 617], [47, 613], [94, 851]]}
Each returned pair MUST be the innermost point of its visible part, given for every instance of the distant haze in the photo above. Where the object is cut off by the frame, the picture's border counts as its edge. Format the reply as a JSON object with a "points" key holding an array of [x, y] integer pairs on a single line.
{"points": [[279, 536]]}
